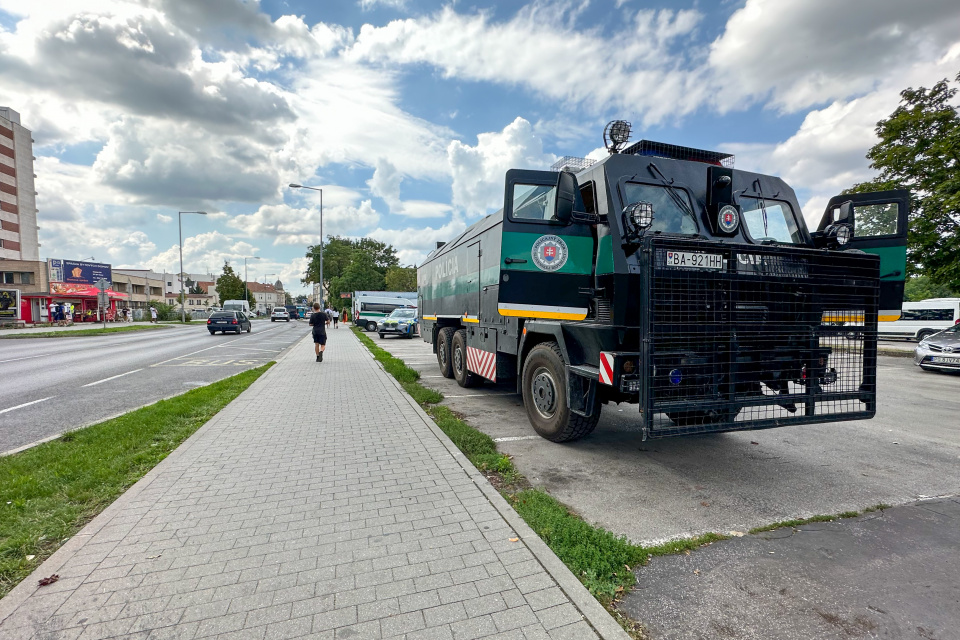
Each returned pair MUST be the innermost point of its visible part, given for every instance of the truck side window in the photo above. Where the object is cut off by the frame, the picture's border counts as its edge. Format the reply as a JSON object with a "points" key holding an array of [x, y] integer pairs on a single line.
{"points": [[668, 216], [589, 195], [770, 220], [534, 202]]}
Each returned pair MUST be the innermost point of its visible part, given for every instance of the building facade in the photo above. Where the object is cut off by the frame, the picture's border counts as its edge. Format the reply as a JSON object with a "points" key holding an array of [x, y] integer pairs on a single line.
{"points": [[141, 286], [18, 202], [266, 296]]}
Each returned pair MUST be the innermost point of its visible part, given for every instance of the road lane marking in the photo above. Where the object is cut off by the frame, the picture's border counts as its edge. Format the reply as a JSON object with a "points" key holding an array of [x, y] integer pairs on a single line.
{"points": [[26, 404], [515, 438], [42, 355], [119, 375]]}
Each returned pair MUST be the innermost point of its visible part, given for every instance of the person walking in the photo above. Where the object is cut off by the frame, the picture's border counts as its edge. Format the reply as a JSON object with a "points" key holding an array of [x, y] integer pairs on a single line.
{"points": [[153, 314], [319, 320], [336, 318]]}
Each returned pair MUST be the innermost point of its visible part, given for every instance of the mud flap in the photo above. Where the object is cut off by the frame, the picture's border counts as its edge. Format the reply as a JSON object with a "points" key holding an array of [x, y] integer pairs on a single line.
{"points": [[581, 393]]}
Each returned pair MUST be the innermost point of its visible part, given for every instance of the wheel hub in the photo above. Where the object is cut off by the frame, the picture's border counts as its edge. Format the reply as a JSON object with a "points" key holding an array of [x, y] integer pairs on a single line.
{"points": [[458, 360], [544, 393]]}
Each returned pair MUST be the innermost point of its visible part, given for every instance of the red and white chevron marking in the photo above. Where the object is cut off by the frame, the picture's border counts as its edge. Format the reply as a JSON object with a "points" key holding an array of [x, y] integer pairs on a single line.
{"points": [[483, 363], [606, 367]]}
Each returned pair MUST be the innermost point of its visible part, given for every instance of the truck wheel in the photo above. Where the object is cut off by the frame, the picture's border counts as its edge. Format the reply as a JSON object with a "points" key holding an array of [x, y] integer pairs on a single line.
{"points": [[458, 360], [371, 326], [444, 337], [545, 397]]}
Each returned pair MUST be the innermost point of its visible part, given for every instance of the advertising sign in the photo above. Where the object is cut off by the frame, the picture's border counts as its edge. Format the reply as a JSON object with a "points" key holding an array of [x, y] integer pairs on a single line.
{"points": [[9, 304], [73, 272]]}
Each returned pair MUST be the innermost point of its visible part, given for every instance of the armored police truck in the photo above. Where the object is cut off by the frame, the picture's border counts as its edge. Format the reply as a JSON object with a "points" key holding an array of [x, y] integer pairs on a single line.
{"points": [[663, 277]]}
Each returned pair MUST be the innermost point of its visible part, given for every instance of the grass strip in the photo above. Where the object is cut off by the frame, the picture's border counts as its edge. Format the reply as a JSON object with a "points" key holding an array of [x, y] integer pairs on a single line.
{"points": [[82, 332], [822, 518], [48, 493]]}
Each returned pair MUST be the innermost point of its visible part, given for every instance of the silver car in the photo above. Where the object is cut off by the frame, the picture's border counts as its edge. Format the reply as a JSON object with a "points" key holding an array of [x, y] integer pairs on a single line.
{"points": [[939, 352]]}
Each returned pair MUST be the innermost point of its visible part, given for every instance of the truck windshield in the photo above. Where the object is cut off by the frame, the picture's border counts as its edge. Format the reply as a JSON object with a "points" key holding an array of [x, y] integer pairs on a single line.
{"points": [[770, 220], [668, 216]]}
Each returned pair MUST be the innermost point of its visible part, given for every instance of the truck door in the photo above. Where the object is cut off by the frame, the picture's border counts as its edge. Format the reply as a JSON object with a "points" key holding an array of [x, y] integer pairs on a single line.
{"points": [[546, 265], [879, 221]]}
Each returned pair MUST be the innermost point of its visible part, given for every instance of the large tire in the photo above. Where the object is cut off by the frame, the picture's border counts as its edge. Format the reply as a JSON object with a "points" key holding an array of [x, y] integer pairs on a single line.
{"points": [[545, 397], [458, 360], [371, 326], [444, 337]]}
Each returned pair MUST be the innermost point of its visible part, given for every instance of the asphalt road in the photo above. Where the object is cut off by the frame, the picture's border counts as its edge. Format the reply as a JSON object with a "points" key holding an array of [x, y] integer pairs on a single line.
{"points": [[662, 489], [52, 385]]}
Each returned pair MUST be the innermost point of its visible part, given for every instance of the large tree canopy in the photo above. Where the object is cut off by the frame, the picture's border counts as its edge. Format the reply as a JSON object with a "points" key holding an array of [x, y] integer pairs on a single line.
{"points": [[230, 287], [919, 150], [351, 265]]}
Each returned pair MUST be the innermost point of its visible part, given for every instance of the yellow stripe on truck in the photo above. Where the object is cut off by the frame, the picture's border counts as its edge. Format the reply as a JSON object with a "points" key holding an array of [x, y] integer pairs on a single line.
{"points": [[551, 315]]}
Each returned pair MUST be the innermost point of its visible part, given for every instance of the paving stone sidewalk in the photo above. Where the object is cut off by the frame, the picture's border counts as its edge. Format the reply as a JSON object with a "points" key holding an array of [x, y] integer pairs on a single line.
{"points": [[321, 503]]}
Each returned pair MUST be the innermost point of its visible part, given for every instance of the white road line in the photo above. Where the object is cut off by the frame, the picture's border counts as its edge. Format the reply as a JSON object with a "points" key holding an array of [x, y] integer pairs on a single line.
{"points": [[515, 438], [119, 375], [42, 355], [26, 404]]}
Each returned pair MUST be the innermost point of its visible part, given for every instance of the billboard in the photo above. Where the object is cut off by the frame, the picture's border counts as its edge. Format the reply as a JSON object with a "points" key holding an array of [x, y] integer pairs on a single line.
{"points": [[9, 304], [74, 272]]}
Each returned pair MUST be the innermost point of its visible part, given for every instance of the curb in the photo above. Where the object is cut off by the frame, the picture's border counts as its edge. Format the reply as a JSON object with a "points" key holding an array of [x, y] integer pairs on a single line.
{"points": [[593, 612]]}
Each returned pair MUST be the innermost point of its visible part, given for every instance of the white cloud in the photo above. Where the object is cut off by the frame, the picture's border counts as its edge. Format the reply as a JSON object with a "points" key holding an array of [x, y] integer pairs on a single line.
{"points": [[291, 226], [478, 171], [164, 218], [540, 48], [385, 184], [806, 52], [368, 5], [414, 243]]}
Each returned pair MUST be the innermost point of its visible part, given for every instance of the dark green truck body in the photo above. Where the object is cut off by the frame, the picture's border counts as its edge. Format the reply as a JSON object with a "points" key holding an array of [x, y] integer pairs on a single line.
{"points": [[703, 327]]}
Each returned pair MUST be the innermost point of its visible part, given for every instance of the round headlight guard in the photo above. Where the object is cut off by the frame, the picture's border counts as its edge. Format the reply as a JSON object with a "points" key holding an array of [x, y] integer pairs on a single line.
{"points": [[844, 234], [640, 214]]}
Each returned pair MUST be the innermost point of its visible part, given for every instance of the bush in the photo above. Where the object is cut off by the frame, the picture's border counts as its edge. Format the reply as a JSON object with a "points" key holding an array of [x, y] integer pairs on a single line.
{"points": [[165, 311]]}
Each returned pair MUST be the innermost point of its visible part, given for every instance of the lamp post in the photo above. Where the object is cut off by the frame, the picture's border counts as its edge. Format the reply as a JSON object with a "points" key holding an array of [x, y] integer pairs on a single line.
{"points": [[300, 186], [246, 289], [265, 276], [183, 308]]}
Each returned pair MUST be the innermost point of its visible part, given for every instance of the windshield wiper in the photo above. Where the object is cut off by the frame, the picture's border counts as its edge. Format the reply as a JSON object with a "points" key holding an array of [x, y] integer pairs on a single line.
{"points": [[674, 193]]}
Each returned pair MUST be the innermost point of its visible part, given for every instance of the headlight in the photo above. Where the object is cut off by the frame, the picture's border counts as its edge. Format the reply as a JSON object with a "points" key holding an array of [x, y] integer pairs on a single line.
{"points": [[844, 234], [640, 214]]}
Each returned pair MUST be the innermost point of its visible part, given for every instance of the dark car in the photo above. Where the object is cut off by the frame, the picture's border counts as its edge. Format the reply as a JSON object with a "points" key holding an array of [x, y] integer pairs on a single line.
{"points": [[235, 321], [292, 310], [939, 352]]}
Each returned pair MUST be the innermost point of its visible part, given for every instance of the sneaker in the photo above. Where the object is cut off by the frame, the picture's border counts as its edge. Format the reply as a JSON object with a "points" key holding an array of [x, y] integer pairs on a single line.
{"points": [[319, 358]]}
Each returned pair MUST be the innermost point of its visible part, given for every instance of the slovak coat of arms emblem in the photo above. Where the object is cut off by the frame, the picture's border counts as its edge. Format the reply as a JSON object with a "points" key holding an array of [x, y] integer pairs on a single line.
{"points": [[549, 253]]}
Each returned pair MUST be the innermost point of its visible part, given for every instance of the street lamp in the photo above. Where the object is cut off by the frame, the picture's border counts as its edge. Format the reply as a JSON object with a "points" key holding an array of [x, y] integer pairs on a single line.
{"points": [[183, 308], [300, 186], [246, 289], [265, 276]]}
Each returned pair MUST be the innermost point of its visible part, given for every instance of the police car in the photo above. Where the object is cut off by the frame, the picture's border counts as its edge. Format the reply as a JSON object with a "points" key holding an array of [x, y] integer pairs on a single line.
{"points": [[402, 322]]}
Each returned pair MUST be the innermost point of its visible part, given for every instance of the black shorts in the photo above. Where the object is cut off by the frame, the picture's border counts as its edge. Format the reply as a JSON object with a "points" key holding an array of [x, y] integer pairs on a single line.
{"points": [[320, 338]]}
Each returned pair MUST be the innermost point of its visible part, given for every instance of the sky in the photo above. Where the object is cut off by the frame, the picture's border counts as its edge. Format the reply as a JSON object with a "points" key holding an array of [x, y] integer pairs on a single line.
{"points": [[408, 113]]}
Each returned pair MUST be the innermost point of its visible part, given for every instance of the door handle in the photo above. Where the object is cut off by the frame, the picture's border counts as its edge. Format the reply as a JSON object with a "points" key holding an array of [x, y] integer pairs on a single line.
{"points": [[892, 274], [514, 260]]}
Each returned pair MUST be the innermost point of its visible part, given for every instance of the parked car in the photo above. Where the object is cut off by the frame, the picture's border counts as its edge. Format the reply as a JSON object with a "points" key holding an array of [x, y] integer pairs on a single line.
{"points": [[939, 352], [921, 319], [279, 313], [401, 322], [235, 321]]}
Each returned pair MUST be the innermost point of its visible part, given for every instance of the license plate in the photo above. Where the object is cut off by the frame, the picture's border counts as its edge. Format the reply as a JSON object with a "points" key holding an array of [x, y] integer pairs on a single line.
{"points": [[694, 260], [944, 360]]}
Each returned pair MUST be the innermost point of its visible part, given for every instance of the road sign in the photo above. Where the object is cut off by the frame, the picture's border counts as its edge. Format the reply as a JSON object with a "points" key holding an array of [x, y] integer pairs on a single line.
{"points": [[103, 300], [103, 284]]}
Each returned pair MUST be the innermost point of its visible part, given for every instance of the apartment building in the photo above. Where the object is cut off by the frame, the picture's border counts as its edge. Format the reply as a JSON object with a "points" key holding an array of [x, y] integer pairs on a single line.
{"points": [[18, 201]]}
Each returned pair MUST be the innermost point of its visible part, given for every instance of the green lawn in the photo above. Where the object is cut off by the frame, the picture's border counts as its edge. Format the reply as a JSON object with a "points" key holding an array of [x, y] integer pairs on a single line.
{"points": [[48, 493], [99, 331]]}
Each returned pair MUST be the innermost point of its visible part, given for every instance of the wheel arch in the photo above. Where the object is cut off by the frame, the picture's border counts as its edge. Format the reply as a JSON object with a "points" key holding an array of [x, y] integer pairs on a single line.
{"points": [[534, 333]]}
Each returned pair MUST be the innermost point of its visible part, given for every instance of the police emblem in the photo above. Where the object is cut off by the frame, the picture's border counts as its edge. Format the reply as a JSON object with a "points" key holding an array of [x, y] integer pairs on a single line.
{"points": [[549, 253], [728, 219]]}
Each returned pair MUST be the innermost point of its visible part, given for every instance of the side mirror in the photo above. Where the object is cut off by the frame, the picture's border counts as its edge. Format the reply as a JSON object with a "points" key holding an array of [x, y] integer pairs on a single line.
{"points": [[566, 196], [845, 213]]}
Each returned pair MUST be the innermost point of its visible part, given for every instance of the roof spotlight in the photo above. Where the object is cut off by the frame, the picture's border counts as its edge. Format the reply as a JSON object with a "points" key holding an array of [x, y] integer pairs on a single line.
{"points": [[616, 134]]}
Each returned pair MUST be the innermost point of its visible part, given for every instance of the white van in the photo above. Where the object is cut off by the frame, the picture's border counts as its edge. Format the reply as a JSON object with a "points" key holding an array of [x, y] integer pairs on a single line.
{"points": [[237, 305], [921, 319]]}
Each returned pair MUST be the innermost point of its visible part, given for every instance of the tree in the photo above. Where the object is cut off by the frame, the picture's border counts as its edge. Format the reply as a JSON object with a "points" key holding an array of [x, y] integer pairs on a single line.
{"points": [[230, 286], [196, 288], [921, 288], [287, 299], [339, 254], [401, 279], [919, 150]]}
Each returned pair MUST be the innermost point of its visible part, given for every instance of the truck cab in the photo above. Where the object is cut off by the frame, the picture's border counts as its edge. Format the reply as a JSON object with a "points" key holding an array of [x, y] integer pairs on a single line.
{"points": [[664, 277]]}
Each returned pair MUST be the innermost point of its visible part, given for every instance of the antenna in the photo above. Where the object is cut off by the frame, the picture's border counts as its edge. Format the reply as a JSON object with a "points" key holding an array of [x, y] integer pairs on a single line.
{"points": [[615, 135]]}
